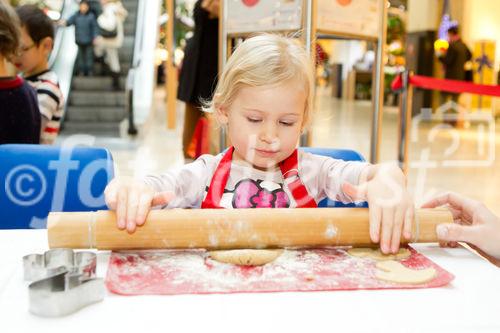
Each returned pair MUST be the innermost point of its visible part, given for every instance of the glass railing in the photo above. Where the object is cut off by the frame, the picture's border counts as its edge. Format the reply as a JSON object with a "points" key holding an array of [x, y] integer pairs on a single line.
{"points": [[136, 62]]}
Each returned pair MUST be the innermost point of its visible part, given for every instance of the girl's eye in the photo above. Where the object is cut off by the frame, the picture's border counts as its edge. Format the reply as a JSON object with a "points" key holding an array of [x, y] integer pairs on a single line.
{"points": [[253, 120], [285, 123]]}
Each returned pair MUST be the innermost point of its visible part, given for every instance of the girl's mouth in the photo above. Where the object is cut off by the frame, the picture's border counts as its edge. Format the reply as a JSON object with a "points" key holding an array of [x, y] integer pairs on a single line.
{"points": [[266, 153]]}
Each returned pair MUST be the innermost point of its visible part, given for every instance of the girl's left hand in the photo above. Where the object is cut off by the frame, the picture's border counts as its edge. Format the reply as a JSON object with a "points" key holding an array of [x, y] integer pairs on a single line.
{"points": [[391, 207]]}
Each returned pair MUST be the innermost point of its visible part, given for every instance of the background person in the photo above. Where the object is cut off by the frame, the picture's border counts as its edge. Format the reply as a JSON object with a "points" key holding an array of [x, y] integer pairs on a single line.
{"points": [[198, 75], [111, 37], [19, 113], [85, 34], [37, 41]]}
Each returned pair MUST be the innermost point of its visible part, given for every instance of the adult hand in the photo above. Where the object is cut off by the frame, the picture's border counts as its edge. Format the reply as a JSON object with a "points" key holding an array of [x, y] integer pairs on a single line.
{"points": [[474, 223]]}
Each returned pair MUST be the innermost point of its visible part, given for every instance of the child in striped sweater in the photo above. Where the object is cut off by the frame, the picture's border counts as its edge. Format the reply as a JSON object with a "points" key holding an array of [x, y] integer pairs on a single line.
{"points": [[37, 40]]}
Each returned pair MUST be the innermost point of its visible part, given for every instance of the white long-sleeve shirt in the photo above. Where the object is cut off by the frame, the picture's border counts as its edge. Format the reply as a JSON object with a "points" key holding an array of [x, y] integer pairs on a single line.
{"points": [[249, 187]]}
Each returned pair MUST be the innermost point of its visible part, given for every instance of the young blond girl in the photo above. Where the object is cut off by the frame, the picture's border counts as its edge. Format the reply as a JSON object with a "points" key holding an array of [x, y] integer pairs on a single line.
{"points": [[264, 99]]}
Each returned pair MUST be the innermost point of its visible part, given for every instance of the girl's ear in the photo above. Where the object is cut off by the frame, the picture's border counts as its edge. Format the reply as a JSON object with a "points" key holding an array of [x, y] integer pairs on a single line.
{"points": [[221, 111]]}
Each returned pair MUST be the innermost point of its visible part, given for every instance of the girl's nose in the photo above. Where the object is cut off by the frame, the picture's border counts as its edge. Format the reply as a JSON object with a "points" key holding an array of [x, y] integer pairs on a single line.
{"points": [[269, 134]]}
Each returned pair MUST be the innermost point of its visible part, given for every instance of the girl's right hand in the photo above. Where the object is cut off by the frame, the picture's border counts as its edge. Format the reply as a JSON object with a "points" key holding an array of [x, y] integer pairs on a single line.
{"points": [[132, 200]]}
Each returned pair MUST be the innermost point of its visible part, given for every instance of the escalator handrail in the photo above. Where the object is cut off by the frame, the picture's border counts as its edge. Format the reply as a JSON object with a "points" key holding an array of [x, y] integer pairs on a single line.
{"points": [[66, 12], [136, 62], [139, 34]]}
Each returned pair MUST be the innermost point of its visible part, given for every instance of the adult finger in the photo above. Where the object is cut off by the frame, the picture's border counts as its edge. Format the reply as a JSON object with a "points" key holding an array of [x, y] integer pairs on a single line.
{"points": [[450, 232], [455, 200]]}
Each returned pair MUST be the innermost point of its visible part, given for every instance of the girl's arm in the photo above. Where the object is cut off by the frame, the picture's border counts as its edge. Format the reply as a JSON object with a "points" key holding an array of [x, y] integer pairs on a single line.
{"points": [[382, 186], [183, 187], [187, 183], [324, 176]]}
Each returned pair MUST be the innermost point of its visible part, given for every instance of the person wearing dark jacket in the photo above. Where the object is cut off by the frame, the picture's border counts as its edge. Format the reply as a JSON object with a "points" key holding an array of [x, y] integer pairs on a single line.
{"points": [[85, 33], [19, 113], [454, 60], [198, 76]]}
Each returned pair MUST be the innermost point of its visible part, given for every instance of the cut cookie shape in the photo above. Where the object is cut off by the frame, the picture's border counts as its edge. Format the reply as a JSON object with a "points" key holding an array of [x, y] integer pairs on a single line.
{"points": [[246, 257], [376, 254], [393, 271]]}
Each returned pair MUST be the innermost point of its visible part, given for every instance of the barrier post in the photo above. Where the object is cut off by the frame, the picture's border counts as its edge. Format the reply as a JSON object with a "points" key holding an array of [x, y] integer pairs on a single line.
{"points": [[171, 71], [309, 34], [224, 51], [378, 86], [405, 114]]}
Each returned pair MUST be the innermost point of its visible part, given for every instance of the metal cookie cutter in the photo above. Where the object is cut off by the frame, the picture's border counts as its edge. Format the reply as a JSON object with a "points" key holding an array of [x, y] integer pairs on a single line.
{"points": [[64, 281]]}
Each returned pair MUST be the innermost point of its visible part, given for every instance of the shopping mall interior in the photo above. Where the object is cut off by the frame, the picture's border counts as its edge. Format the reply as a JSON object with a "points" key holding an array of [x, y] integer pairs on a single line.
{"points": [[141, 122], [345, 97]]}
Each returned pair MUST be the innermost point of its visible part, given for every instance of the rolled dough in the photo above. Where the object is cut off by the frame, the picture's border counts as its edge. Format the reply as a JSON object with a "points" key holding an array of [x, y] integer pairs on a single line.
{"points": [[246, 257], [393, 271], [376, 254]]}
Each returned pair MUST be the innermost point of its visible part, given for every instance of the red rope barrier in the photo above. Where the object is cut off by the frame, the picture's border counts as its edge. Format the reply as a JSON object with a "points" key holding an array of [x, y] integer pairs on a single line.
{"points": [[397, 83], [452, 86]]}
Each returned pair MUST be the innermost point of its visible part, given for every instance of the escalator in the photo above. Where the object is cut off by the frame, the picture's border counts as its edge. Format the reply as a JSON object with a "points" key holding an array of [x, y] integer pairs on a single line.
{"points": [[93, 106]]}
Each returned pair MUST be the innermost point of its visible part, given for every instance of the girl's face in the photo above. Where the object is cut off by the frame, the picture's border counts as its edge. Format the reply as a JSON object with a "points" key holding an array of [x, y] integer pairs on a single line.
{"points": [[264, 123]]}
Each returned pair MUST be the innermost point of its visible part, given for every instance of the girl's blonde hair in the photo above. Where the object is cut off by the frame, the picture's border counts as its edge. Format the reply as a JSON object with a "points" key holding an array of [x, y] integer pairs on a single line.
{"points": [[262, 60]]}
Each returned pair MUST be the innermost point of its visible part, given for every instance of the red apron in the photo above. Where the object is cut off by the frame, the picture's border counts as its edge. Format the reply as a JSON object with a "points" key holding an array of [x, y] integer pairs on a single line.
{"points": [[289, 170]]}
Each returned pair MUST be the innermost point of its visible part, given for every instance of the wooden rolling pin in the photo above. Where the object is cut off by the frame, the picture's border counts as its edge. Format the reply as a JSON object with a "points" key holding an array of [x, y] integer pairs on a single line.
{"points": [[230, 228]]}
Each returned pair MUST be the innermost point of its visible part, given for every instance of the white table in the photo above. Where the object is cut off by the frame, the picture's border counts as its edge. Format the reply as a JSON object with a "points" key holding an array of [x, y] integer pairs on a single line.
{"points": [[471, 303]]}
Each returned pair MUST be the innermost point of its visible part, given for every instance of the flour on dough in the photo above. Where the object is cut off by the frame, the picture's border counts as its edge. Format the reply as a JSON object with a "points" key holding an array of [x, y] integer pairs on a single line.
{"points": [[376, 254], [245, 257], [393, 271]]}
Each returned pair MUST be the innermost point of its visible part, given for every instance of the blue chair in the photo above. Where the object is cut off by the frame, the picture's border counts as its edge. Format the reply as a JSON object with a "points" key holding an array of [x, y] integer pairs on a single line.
{"points": [[339, 154], [39, 179]]}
